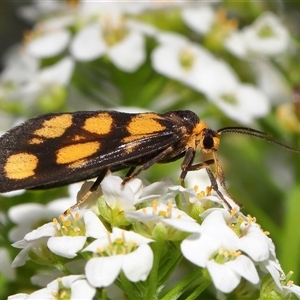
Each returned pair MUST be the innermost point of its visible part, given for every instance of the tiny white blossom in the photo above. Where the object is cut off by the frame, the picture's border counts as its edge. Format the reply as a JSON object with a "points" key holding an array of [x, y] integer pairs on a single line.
{"points": [[242, 102], [266, 36], [119, 250], [180, 59], [84, 224], [19, 67], [64, 239], [43, 82], [161, 217], [215, 247], [114, 37], [70, 287], [26, 216]]}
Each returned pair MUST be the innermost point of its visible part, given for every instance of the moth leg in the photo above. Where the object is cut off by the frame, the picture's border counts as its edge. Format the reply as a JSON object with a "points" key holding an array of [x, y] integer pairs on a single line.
{"points": [[187, 165], [90, 191], [130, 172], [148, 164]]}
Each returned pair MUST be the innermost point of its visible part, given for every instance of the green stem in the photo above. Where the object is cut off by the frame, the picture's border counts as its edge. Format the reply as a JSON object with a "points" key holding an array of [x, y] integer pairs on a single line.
{"points": [[128, 288], [195, 277], [158, 249]]}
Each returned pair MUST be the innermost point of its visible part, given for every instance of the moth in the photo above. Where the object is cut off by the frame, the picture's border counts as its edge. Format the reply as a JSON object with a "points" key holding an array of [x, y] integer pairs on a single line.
{"points": [[57, 149]]}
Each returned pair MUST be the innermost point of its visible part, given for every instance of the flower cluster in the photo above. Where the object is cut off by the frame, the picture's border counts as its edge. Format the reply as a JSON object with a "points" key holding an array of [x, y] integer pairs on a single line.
{"points": [[70, 36], [225, 246]]}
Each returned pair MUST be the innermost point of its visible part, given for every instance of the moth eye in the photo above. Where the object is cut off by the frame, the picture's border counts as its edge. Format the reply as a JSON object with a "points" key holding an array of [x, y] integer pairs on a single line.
{"points": [[208, 142]]}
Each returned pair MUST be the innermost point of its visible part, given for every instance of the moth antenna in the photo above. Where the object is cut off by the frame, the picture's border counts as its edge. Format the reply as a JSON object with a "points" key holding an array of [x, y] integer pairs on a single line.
{"points": [[255, 133]]}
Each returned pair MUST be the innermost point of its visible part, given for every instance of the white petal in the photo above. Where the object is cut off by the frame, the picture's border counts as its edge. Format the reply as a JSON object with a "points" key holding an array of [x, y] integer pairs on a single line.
{"points": [[236, 44], [130, 53], [218, 78], [294, 289], [137, 265], [165, 60], [244, 266], [21, 258], [101, 242], [60, 72], [66, 281], [102, 271], [88, 44], [129, 236], [274, 268], [19, 296], [66, 246], [255, 244], [94, 227], [49, 44], [136, 186], [115, 194], [254, 101], [43, 231], [195, 251], [26, 215], [183, 225], [223, 277], [178, 41], [199, 19], [81, 289], [41, 294]]}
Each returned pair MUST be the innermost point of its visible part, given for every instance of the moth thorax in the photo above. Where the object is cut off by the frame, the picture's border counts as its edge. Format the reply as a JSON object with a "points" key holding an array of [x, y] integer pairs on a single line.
{"points": [[210, 140]]}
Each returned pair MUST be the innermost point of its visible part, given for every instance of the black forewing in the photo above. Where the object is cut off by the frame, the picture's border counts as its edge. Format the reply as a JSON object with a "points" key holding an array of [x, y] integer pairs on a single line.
{"points": [[112, 153]]}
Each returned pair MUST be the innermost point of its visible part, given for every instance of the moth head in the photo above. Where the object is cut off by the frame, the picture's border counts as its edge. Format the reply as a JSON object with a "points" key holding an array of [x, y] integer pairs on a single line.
{"points": [[209, 141]]}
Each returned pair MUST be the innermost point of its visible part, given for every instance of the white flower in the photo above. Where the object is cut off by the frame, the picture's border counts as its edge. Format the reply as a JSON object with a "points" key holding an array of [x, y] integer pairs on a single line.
{"points": [[160, 221], [64, 238], [114, 37], [75, 229], [70, 287], [19, 68], [200, 19], [119, 251], [271, 81], [26, 216], [180, 59], [266, 36], [215, 247], [42, 82], [243, 103]]}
